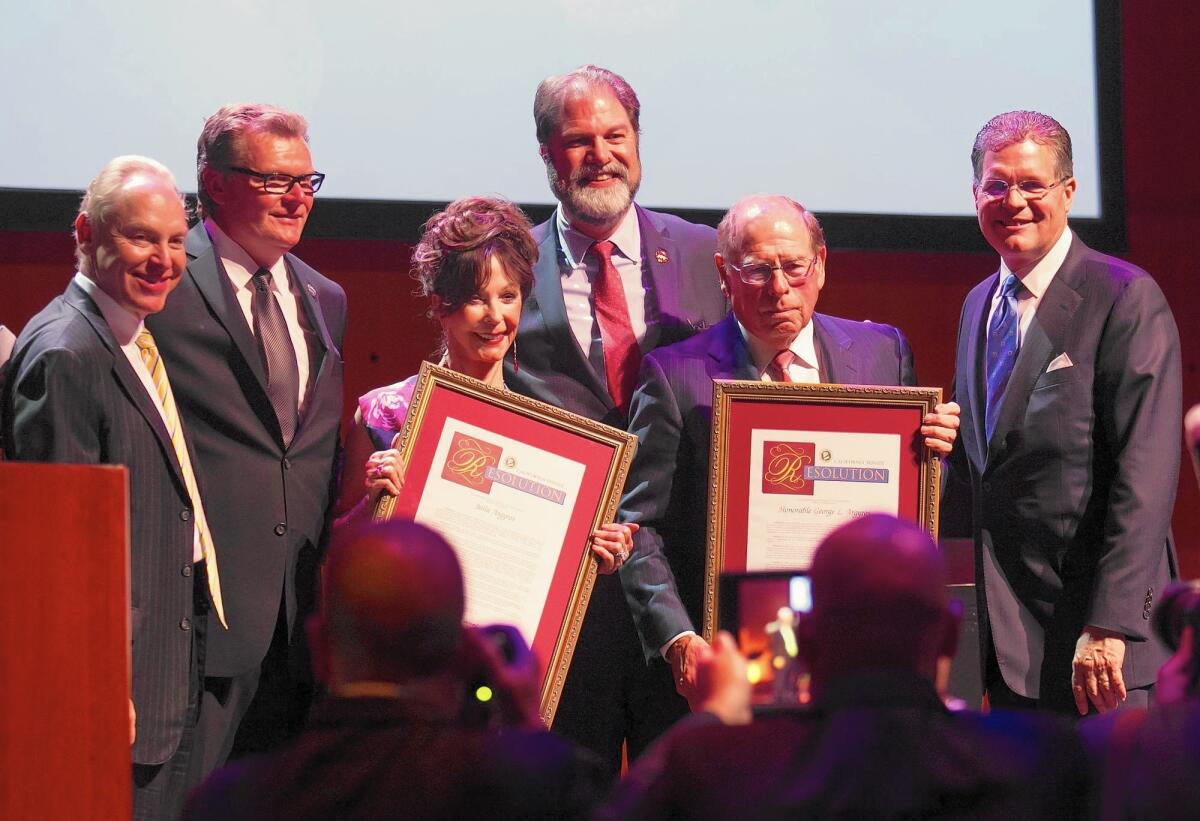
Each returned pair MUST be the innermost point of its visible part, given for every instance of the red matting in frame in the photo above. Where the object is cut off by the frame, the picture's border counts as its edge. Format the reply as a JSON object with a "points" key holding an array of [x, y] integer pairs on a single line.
{"points": [[740, 408], [445, 403], [833, 417]]}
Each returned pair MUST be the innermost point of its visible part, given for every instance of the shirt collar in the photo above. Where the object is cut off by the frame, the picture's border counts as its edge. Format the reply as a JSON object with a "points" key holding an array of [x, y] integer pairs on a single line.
{"points": [[125, 326], [1039, 277], [575, 244], [238, 264], [804, 346]]}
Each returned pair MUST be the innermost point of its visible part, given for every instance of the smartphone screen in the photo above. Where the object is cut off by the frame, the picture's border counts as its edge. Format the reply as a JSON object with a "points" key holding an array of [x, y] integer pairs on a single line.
{"points": [[761, 610]]}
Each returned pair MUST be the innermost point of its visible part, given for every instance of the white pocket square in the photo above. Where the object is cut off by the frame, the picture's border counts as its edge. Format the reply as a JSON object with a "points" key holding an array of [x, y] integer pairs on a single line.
{"points": [[1059, 362]]}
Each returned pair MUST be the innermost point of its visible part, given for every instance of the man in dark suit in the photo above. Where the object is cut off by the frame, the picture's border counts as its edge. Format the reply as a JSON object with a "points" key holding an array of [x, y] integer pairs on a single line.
{"points": [[253, 337], [876, 741], [1069, 379], [771, 261], [612, 282], [82, 391], [402, 734]]}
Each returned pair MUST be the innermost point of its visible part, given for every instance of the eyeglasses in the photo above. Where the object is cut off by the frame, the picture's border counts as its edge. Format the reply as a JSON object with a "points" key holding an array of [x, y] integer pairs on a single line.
{"points": [[1030, 190], [277, 183], [797, 271]]}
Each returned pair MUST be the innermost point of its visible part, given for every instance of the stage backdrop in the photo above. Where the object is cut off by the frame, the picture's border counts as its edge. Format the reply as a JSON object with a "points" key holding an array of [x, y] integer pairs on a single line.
{"points": [[388, 332]]}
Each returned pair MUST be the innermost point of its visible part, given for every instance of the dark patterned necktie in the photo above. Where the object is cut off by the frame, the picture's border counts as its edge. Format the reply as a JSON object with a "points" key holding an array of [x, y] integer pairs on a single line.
{"points": [[1002, 345], [278, 353]]}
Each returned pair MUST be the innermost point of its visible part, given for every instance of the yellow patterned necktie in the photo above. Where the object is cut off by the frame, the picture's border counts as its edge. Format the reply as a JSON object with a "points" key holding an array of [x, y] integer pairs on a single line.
{"points": [[158, 375]]}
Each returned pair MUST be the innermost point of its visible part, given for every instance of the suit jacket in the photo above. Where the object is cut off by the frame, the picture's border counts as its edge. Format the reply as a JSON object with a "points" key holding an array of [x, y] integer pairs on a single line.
{"points": [[370, 758], [667, 488], [677, 261], [74, 397], [266, 504], [876, 746], [1071, 499]]}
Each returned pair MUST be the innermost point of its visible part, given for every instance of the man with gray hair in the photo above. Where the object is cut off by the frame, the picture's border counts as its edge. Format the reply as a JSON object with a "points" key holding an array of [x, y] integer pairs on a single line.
{"points": [[771, 263], [254, 336], [613, 281], [1068, 371], [88, 387]]}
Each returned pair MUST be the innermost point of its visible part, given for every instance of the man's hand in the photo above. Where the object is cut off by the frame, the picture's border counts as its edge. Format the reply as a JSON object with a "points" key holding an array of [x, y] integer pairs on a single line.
{"points": [[722, 687], [132, 723], [1096, 674], [515, 684], [683, 656], [940, 428], [1175, 677]]}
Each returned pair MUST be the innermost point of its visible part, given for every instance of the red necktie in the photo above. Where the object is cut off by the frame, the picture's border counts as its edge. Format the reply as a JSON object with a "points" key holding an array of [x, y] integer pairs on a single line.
{"points": [[621, 353], [781, 362]]}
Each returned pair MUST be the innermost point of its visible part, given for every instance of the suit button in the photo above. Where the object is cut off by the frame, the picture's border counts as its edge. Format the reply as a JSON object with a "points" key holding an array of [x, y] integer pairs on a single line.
{"points": [[280, 529], [185, 515], [185, 624], [987, 487], [186, 570]]}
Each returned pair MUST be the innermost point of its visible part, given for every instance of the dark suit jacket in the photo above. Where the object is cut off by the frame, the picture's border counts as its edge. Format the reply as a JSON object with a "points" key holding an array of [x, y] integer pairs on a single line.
{"points": [[667, 488], [871, 746], [371, 758], [677, 262], [1071, 500], [266, 504], [75, 398]]}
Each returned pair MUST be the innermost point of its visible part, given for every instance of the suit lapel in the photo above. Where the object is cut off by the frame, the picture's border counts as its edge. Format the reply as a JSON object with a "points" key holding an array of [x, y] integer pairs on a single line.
{"points": [[547, 290], [123, 372], [660, 262], [214, 287], [970, 392], [1044, 339], [835, 347], [730, 351]]}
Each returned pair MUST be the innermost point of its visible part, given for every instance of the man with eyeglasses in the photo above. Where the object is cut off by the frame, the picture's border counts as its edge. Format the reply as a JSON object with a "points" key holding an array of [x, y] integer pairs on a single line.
{"points": [[252, 338], [1068, 372], [771, 263]]}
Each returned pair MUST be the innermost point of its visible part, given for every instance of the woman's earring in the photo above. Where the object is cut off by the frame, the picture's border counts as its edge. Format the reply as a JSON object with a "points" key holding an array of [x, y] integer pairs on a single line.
{"points": [[516, 365]]}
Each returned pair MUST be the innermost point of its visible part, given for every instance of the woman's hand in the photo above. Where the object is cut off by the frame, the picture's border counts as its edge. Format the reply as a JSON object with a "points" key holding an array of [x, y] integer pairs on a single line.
{"points": [[385, 473], [611, 545]]}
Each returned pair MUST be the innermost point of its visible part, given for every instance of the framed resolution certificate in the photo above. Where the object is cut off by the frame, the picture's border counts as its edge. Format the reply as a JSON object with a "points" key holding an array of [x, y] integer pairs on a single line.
{"points": [[517, 487], [790, 463]]}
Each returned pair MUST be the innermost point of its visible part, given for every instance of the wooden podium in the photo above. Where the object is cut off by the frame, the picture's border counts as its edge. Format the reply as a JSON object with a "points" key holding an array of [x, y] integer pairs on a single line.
{"points": [[64, 642]]}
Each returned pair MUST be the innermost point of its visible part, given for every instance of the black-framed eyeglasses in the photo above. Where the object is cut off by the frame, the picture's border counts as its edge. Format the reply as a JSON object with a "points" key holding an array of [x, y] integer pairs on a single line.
{"points": [[1030, 190], [796, 271], [277, 183]]}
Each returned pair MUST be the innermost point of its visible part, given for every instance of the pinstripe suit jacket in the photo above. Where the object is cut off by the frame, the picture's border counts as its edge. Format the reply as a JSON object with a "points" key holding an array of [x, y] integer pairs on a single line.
{"points": [[667, 489], [73, 397]]}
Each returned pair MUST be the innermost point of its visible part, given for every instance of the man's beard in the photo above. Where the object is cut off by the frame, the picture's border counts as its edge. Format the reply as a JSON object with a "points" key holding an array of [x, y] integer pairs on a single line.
{"points": [[593, 205]]}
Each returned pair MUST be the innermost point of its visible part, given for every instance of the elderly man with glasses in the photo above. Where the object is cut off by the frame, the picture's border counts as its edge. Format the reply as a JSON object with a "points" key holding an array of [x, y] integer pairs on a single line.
{"points": [[252, 338], [1068, 372], [771, 263]]}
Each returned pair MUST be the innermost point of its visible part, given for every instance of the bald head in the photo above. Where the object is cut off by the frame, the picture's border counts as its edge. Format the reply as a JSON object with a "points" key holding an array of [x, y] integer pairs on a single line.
{"points": [[879, 599], [393, 603]]}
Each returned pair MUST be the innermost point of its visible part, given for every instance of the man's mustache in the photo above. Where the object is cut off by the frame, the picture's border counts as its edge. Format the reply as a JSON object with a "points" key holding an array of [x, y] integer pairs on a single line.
{"points": [[586, 173]]}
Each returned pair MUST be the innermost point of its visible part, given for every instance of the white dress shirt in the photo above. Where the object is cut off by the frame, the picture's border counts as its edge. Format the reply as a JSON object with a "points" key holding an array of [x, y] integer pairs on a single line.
{"points": [[804, 367], [1035, 284], [581, 268]]}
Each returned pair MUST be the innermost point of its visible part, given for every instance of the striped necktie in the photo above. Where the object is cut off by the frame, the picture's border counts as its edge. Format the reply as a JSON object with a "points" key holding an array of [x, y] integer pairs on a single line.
{"points": [[158, 375]]}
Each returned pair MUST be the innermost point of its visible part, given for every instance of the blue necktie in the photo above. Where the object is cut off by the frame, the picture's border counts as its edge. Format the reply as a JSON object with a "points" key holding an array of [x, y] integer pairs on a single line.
{"points": [[1002, 344]]}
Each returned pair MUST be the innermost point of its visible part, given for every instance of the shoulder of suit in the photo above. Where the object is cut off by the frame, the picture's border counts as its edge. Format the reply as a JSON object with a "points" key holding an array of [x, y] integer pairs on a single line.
{"points": [[677, 227], [694, 347], [862, 328], [59, 325]]}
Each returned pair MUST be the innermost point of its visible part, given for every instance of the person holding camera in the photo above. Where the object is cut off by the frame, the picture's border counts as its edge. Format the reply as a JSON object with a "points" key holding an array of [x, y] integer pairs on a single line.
{"points": [[425, 717]]}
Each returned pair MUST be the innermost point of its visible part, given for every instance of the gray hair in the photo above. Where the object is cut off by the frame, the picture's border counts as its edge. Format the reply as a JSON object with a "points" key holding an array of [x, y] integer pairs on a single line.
{"points": [[220, 142], [548, 101], [729, 232], [1014, 127], [102, 195]]}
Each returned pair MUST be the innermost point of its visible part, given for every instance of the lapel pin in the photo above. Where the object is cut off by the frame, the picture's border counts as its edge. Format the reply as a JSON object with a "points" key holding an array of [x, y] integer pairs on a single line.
{"points": [[660, 256], [311, 290]]}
